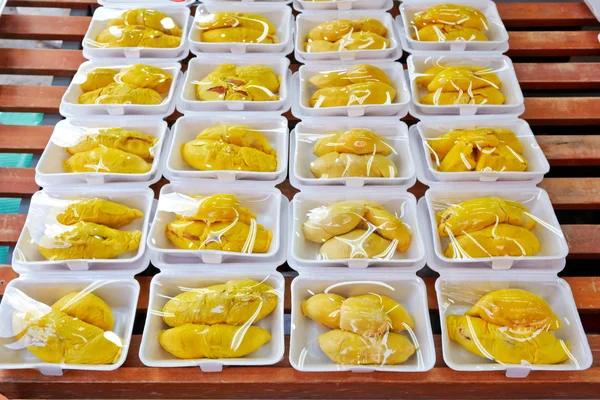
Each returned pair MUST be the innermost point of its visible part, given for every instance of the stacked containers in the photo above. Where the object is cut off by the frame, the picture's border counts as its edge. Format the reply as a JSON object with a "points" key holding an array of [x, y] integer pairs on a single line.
{"points": [[457, 251], [323, 275]]}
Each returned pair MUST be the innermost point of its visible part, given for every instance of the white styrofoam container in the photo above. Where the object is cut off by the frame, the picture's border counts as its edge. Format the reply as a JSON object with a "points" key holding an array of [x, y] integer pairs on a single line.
{"points": [[167, 285], [304, 253], [502, 66], [154, 3], [310, 5], [69, 106], [307, 21], [594, 6], [537, 164], [408, 290], [553, 245], [100, 19], [279, 15], [397, 108], [120, 293], [265, 202], [49, 170], [27, 258], [496, 34], [554, 290], [275, 130], [308, 132], [204, 64]]}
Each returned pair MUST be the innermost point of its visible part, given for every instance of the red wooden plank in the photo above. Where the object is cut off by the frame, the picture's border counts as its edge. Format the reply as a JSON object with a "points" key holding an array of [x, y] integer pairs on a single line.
{"points": [[41, 62]]}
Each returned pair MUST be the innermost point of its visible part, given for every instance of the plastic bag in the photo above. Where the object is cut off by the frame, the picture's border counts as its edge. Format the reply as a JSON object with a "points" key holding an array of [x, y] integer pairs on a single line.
{"points": [[343, 35], [239, 83], [341, 325], [229, 319], [360, 84], [226, 27], [65, 323], [509, 322], [80, 228]]}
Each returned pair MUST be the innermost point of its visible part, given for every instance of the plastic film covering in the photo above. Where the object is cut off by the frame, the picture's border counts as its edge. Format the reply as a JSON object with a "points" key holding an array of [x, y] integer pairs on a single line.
{"points": [[441, 82], [78, 228], [134, 84], [229, 82], [238, 27], [360, 84], [218, 222], [228, 320], [135, 28], [530, 323], [359, 325], [77, 328], [344, 35], [229, 147]]}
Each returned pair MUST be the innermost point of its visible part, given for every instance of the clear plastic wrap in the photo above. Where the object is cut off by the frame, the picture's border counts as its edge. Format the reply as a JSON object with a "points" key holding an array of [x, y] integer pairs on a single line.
{"points": [[517, 325], [236, 27], [56, 324], [208, 321], [360, 325]]}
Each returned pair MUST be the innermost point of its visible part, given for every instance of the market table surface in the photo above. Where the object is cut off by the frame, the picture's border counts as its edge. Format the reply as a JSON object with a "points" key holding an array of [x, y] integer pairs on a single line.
{"points": [[553, 47]]}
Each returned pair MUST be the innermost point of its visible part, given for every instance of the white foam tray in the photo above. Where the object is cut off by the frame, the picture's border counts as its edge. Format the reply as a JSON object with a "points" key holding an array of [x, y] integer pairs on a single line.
{"points": [[342, 5], [154, 3]]}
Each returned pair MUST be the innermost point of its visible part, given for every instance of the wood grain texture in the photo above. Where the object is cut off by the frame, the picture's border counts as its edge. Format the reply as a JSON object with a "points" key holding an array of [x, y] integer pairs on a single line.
{"points": [[17, 182], [44, 27], [24, 139], [41, 62], [570, 150]]}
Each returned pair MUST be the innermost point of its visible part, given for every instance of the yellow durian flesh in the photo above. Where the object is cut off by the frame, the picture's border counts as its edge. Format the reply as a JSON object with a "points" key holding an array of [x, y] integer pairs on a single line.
{"points": [[501, 158], [370, 25], [388, 226], [211, 155], [465, 78], [146, 76], [443, 33], [487, 95], [99, 211], [149, 18], [237, 35], [400, 319], [220, 207], [326, 222], [479, 137], [238, 135], [460, 158], [121, 93], [347, 165], [363, 41], [242, 20], [97, 79], [107, 160], [364, 316], [87, 307], [364, 93], [331, 31], [130, 141], [323, 308], [452, 14], [358, 243], [320, 46], [135, 36], [235, 302]]}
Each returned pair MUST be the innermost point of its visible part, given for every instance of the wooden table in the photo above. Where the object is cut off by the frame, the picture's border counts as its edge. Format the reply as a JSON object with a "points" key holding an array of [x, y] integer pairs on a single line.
{"points": [[563, 108]]}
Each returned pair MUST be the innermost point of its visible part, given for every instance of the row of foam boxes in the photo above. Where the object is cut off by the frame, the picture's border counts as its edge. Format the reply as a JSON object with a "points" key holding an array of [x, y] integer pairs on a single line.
{"points": [[399, 32]]}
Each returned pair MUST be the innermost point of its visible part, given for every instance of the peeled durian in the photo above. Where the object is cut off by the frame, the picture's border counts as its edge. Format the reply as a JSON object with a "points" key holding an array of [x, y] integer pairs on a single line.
{"points": [[388, 225], [325, 308], [243, 83], [336, 165], [238, 135], [220, 208], [364, 93], [135, 36], [356, 141], [501, 158], [369, 25], [146, 76], [261, 74], [87, 240], [149, 18], [460, 158], [331, 31], [363, 41], [99, 211], [235, 302], [452, 14], [358, 243], [479, 137], [237, 35], [443, 33], [97, 79], [240, 20], [486, 95], [118, 138], [320, 46], [87, 307], [463, 78], [364, 316], [329, 221], [210, 155], [121, 93], [107, 160]]}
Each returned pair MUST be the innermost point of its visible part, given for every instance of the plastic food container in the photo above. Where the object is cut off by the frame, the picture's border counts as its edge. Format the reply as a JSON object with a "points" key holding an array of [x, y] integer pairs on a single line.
{"points": [[269, 205], [275, 130], [308, 5], [301, 108], [38, 292], [496, 34], [49, 170], [69, 106], [102, 15], [594, 6], [279, 15], [307, 21], [204, 64], [174, 280], [404, 287], [46, 204], [154, 3], [305, 254], [306, 134], [426, 166], [501, 65]]}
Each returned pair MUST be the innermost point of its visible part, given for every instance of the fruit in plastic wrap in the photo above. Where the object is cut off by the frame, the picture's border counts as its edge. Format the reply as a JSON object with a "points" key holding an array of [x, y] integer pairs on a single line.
{"points": [[358, 243], [242, 20], [237, 35], [107, 160], [460, 158], [146, 76], [325, 308], [217, 341], [444, 33], [487, 95], [97, 79], [224, 236], [364, 316], [57, 337], [130, 141], [123, 93], [348, 348], [243, 83], [99, 211], [87, 307], [331, 31], [388, 225], [87, 240], [501, 158], [497, 343], [400, 319], [328, 221], [149, 18], [135, 36], [475, 214], [320, 46], [211, 155], [480, 137], [463, 78], [369, 25], [363, 41], [346, 165], [364, 93], [220, 208], [519, 310], [356, 74], [452, 14], [238, 135], [261, 74], [509, 139], [356, 141], [235, 302], [494, 241]]}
